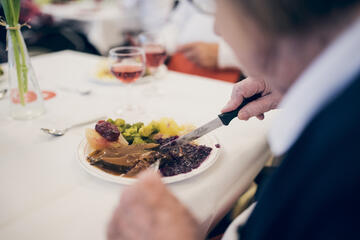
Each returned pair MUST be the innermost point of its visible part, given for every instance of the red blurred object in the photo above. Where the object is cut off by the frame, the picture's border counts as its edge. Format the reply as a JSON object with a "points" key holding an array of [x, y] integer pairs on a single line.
{"points": [[30, 96], [155, 55], [180, 63], [28, 10], [31, 13], [48, 94]]}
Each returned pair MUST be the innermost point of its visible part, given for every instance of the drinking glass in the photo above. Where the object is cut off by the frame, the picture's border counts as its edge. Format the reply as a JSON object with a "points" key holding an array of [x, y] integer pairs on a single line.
{"points": [[155, 51], [127, 64]]}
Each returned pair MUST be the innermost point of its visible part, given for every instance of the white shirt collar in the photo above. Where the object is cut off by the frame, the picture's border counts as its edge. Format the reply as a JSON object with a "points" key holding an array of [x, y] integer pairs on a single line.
{"points": [[322, 81]]}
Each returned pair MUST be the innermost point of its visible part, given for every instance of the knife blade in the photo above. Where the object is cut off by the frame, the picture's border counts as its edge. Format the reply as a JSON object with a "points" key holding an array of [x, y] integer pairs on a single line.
{"points": [[223, 119]]}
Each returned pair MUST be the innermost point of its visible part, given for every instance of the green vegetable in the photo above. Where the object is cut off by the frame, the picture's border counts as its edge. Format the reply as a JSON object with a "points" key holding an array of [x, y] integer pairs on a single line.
{"points": [[138, 125], [130, 131], [138, 140], [136, 133], [110, 121], [119, 122], [146, 131], [12, 11]]}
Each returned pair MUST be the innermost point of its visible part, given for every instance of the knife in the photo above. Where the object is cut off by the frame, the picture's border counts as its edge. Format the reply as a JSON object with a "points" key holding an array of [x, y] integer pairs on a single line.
{"points": [[222, 120]]}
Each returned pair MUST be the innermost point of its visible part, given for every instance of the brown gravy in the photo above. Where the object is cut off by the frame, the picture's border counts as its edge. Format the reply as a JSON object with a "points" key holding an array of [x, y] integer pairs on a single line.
{"points": [[124, 159]]}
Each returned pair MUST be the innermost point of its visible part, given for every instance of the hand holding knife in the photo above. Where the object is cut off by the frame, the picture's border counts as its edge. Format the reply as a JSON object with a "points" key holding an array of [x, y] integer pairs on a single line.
{"points": [[222, 120]]}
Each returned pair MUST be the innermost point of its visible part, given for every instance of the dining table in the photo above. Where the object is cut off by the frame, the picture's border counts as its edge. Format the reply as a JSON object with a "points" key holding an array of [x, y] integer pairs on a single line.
{"points": [[46, 194]]}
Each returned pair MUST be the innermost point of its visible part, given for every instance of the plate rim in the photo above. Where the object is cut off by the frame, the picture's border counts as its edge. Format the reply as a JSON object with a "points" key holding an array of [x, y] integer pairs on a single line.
{"points": [[205, 165]]}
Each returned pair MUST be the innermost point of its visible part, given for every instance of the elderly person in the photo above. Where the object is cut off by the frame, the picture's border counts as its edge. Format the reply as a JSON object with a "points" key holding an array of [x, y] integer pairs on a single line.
{"points": [[307, 51]]}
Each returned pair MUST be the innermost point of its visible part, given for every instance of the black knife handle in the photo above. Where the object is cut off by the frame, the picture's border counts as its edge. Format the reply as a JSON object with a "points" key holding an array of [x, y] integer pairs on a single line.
{"points": [[228, 116]]}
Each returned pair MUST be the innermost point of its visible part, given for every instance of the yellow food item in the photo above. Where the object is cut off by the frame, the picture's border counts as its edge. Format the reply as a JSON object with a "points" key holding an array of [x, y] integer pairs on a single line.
{"points": [[168, 128], [103, 70]]}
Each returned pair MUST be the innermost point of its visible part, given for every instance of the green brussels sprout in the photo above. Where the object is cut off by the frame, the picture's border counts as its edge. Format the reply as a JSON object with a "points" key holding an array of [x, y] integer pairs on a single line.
{"points": [[146, 131], [127, 126], [110, 121], [155, 125], [130, 131], [138, 125], [138, 140], [120, 122]]}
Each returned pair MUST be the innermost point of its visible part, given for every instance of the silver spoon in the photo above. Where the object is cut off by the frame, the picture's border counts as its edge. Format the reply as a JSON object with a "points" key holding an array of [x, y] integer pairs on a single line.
{"points": [[59, 132], [3, 93]]}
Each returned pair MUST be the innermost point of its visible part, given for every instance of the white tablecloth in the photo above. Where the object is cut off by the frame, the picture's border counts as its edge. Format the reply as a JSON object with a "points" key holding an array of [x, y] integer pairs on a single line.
{"points": [[45, 194]]}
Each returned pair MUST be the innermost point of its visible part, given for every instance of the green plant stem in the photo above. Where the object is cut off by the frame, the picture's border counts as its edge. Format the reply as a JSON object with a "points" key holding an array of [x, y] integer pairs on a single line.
{"points": [[18, 65], [23, 66], [12, 11]]}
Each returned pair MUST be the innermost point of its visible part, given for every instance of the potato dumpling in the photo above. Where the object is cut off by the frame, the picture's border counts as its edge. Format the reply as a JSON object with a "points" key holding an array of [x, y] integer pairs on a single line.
{"points": [[97, 142]]}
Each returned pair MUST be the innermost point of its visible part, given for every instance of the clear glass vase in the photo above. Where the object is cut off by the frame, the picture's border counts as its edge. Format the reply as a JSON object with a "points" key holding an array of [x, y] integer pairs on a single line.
{"points": [[26, 101]]}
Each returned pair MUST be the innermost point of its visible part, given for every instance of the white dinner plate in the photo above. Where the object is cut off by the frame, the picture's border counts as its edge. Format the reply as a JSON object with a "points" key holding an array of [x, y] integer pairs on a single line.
{"points": [[208, 140]]}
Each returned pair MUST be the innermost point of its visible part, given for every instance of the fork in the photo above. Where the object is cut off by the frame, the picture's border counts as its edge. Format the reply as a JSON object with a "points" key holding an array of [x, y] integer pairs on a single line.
{"points": [[60, 132]]}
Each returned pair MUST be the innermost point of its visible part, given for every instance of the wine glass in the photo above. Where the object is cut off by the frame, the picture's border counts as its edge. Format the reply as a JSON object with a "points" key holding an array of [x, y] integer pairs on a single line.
{"points": [[127, 64], [155, 51]]}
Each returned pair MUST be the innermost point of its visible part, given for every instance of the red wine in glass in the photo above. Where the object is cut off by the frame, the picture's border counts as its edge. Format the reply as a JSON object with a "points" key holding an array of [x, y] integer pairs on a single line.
{"points": [[155, 55], [127, 73]]}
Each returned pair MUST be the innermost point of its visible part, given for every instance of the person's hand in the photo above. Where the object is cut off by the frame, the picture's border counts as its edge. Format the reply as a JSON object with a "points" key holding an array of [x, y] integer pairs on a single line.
{"points": [[247, 88], [201, 53], [147, 210]]}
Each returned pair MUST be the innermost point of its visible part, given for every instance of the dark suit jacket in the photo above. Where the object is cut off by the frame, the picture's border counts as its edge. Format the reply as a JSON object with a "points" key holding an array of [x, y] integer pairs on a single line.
{"points": [[315, 192]]}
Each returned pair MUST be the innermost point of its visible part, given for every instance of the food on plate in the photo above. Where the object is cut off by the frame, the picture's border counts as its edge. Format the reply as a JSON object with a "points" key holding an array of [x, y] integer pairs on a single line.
{"points": [[125, 159], [181, 158], [126, 149], [100, 140], [103, 71]]}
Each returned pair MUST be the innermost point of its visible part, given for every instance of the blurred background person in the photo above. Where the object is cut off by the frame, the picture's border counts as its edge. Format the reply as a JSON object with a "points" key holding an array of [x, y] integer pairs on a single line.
{"points": [[191, 32], [189, 38], [195, 48], [45, 34]]}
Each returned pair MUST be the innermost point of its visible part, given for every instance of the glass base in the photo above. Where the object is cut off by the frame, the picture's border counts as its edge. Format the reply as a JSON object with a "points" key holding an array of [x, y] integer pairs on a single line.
{"points": [[26, 113], [132, 112]]}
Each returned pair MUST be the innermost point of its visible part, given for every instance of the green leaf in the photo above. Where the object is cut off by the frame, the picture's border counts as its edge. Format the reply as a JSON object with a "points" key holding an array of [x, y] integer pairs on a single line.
{"points": [[6, 9], [12, 11], [16, 9]]}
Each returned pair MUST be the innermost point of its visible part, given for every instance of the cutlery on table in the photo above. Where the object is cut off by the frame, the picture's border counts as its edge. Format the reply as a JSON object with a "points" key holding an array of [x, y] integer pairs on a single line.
{"points": [[3, 93], [81, 91], [60, 132], [222, 120]]}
